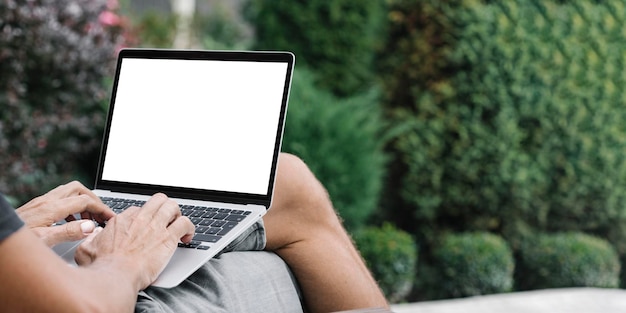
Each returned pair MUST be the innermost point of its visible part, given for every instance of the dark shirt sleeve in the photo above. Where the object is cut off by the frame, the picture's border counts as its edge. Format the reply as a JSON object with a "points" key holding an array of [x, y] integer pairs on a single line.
{"points": [[9, 221]]}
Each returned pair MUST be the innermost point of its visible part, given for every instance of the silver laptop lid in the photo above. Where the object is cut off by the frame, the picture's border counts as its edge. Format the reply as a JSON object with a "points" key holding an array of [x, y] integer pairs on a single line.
{"points": [[203, 125]]}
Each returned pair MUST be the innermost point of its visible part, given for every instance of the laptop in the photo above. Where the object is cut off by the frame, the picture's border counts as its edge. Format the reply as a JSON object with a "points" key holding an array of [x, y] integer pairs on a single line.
{"points": [[203, 127]]}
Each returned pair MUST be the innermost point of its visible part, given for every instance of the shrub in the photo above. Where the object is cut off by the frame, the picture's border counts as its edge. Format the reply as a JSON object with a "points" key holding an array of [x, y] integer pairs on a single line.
{"points": [[336, 38], [155, 29], [509, 115], [391, 254], [223, 28], [567, 260], [472, 264], [339, 140], [54, 58]]}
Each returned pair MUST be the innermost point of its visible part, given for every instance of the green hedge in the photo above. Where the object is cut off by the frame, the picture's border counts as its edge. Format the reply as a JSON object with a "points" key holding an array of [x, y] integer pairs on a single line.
{"points": [[510, 117], [336, 38], [339, 139], [472, 264], [391, 254], [567, 260]]}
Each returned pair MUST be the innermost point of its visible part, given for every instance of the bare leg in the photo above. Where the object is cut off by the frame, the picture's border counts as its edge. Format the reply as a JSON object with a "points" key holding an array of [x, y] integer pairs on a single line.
{"points": [[303, 229]]}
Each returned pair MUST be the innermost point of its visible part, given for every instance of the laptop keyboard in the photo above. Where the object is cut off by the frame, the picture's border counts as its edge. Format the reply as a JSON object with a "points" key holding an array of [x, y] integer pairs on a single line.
{"points": [[211, 223]]}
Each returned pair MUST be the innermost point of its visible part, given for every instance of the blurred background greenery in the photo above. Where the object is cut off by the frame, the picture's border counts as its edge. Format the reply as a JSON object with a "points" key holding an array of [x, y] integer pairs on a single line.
{"points": [[485, 137]]}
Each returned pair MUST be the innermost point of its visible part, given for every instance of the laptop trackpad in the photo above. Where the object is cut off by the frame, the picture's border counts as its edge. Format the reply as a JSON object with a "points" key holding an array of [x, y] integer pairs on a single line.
{"points": [[66, 251]]}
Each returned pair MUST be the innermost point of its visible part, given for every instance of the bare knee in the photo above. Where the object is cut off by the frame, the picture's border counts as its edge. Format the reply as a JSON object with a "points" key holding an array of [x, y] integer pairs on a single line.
{"points": [[296, 183], [299, 197]]}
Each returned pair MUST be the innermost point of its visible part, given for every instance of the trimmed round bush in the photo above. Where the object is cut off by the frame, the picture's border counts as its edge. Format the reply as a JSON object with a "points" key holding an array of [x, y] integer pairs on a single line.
{"points": [[473, 264], [567, 260], [391, 254]]}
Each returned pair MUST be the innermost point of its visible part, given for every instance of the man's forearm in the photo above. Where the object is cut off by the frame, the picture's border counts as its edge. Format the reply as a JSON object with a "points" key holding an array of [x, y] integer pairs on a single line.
{"points": [[53, 286]]}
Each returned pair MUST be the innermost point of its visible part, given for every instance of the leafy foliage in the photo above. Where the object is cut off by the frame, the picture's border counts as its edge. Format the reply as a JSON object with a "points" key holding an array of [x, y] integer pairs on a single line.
{"points": [[53, 62], [568, 260], [155, 29], [340, 141], [391, 254], [509, 117], [223, 28], [336, 38]]}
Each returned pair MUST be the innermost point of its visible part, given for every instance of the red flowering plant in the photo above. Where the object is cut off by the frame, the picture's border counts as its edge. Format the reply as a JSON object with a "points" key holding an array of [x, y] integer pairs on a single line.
{"points": [[117, 24], [55, 58]]}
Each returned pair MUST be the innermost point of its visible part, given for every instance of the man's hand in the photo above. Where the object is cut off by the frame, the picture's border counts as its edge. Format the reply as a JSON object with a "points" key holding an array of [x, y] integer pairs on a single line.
{"points": [[140, 240], [61, 203]]}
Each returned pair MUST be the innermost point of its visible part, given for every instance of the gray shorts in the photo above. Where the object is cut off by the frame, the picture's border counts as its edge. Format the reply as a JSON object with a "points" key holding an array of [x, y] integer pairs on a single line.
{"points": [[242, 279]]}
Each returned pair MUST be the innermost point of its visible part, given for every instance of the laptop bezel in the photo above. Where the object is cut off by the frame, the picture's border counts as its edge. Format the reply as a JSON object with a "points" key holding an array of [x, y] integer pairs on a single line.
{"points": [[191, 193]]}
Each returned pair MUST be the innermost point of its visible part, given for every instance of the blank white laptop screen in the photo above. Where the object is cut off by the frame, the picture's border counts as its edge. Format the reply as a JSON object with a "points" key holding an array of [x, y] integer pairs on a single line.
{"points": [[200, 124]]}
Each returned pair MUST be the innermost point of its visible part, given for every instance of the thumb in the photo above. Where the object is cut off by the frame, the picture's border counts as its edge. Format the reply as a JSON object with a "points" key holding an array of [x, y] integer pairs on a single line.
{"points": [[70, 231], [85, 254]]}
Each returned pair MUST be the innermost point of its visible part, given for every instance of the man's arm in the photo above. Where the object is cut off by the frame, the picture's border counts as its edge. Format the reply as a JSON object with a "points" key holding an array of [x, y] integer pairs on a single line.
{"points": [[117, 262], [34, 279]]}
